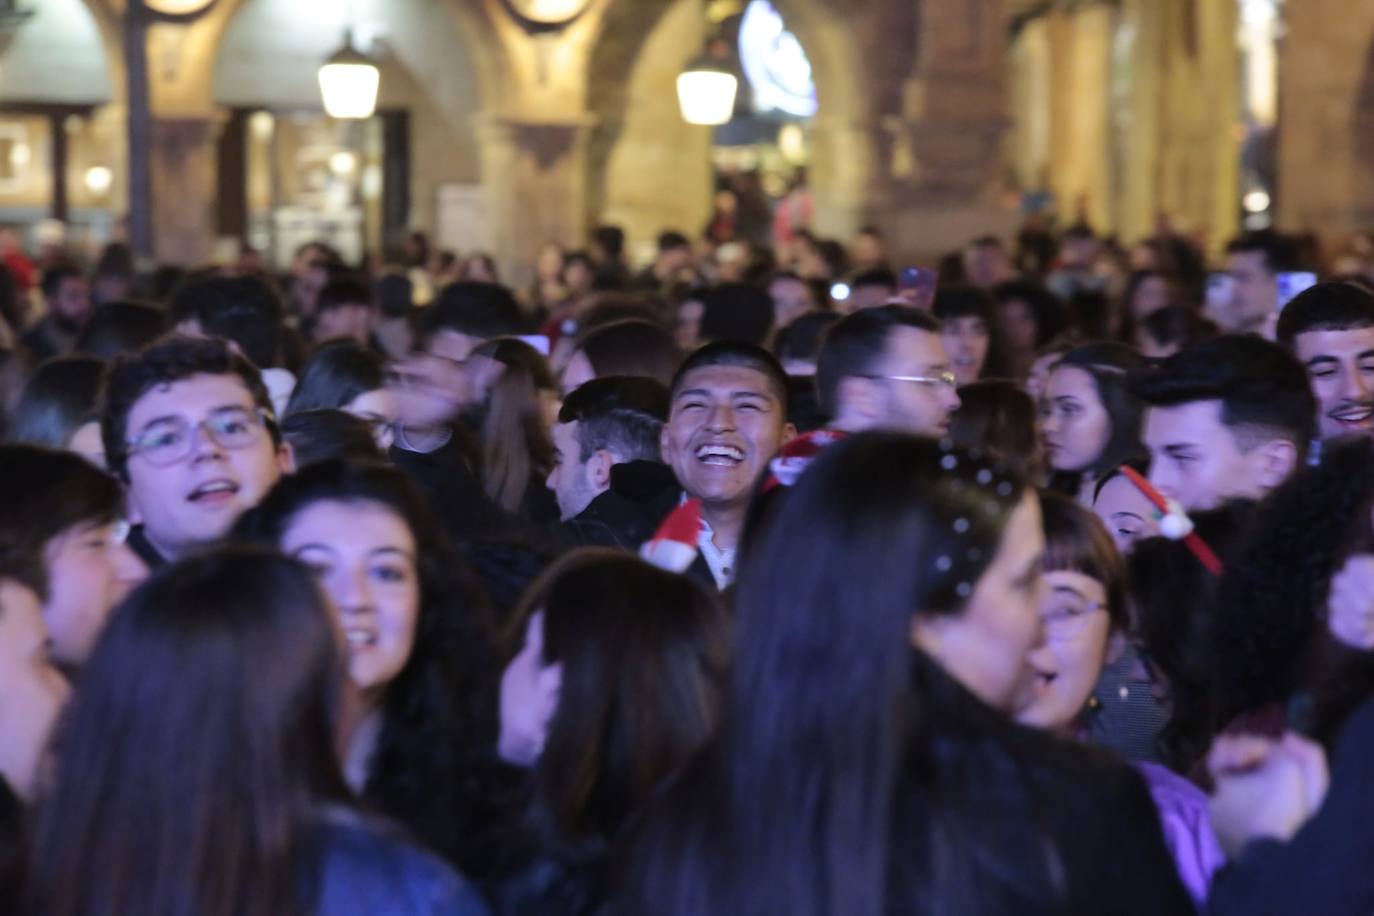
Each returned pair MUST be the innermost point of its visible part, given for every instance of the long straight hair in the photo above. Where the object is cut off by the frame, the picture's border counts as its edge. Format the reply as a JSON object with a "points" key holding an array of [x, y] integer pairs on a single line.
{"points": [[827, 763], [197, 750], [644, 655], [516, 445]]}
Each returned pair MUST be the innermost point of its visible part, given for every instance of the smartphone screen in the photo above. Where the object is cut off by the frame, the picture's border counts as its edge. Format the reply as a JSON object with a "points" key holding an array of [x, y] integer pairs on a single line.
{"points": [[917, 286], [1293, 282]]}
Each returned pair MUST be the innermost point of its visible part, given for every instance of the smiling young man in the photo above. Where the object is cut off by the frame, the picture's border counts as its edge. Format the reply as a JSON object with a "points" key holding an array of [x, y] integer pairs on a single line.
{"points": [[727, 419], [1230, 418], [1330, 329], [189, 428], [886, 368]]}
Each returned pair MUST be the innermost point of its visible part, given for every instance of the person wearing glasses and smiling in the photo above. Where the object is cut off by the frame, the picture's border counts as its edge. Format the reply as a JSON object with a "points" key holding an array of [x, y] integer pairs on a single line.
{"points": [[885, 368], [188, 427]]}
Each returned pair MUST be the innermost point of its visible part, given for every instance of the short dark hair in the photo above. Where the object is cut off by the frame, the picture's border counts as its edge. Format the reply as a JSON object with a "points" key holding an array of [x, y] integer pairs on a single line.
{"points": [[1176, 324], [670, 239], [43, 492], [734, 353], [611, 239], [472, 308], [622, 414], [120, 327], [736, 311], [343, 291], [169, 360], [631, 347], [877, 276], [1262, 388], [325, 434], [1279, 251], [803, 337], [395, 294], [1335, 306], [53, 277], [962, 301], [338, 372], [242, 309], [858, 341]]}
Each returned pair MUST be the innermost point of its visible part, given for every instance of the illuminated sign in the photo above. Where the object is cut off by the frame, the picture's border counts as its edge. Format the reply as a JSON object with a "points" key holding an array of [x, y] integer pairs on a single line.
{"points": [[775, 63]]}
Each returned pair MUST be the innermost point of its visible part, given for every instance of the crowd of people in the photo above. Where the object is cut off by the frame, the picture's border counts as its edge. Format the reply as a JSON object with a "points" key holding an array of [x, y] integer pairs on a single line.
{"points": [[751, 582]]}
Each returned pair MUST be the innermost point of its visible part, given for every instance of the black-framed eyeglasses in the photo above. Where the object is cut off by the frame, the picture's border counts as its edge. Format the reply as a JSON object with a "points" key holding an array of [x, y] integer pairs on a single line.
{"points": [[166, 442], [948, 379]]}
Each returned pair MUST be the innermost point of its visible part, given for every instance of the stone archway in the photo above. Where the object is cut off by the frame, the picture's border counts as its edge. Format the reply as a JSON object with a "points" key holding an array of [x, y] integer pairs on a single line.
{"points": [[649, 170]]}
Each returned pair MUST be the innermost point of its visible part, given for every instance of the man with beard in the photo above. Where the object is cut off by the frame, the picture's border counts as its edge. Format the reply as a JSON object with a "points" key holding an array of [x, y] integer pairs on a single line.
{"points": [[68, 304], [886, 368], [727, 419], [1330, 329]]}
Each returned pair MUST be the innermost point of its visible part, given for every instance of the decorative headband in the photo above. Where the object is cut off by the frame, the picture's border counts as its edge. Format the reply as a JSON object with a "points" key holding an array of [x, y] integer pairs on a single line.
{"points": [[1174, 523]]}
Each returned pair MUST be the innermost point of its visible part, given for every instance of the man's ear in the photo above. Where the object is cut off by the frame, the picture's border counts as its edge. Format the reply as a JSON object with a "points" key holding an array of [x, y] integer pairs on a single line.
{"points": [[789, 432], [286, 458], [857, 398], [1273, 462], [598, 469], [1116, 647], [664, 446]]}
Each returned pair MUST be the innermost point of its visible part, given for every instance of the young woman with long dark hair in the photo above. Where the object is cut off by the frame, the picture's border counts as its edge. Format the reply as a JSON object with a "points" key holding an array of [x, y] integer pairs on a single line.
{"points": [[196, 769], [1090, 418], [618, 682], [419, 722], [887, 604]]}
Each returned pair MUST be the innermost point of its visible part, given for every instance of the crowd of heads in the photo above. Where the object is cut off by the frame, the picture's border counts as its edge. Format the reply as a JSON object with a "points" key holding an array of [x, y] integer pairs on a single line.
{"points": [[771, 576]]}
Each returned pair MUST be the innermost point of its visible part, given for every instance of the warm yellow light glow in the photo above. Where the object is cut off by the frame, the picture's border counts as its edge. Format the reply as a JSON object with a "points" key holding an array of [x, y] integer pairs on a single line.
{"points": [[349, 88], [99, 179], [706, 96], [177, 7], [1255, 202], [343, 163]]}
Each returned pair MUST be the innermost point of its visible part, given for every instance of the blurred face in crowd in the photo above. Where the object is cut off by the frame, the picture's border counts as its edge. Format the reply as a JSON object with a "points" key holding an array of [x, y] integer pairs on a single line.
{"points": [[885, 402], [578, 276], [1151, 295], [201, 455], [71, 305], [1254, 293], [32, 691], [966, 341], [529, 698], [1127, 513], [364, 556], [986, 646], [433, 385], [870, 295], [726, 424], [381, 410], [1073, 421], [1066, 665], [986, 265], [791, 299], [1019, 327], [306, 285], [687, 333], [868, 251], [90, 569], [1197, 460], [352, 321], [1340, 367], [1039, 377]]}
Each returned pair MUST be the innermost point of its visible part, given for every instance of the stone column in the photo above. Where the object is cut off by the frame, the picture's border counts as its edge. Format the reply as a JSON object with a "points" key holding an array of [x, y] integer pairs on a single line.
{"points": [[183, 158], [1326, 118], [534, 172], [944, 148]]}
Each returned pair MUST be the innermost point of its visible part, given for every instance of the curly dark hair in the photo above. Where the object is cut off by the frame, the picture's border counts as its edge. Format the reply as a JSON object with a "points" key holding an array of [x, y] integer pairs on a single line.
{"points": [[169, 360], [1173, 606], [1271, 616], [434, 768]]}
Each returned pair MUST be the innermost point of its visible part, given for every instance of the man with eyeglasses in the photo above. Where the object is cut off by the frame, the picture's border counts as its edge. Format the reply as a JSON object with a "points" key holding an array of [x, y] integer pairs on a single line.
{"points": [[885, 368], [188, 427]]}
